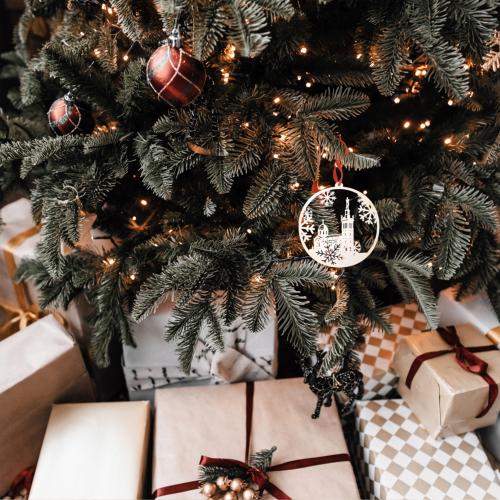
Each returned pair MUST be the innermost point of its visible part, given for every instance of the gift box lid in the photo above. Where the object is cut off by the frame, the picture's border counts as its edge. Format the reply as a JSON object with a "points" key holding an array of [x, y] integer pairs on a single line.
{"points": [[447, 372], [93, 451], [32, 348]]}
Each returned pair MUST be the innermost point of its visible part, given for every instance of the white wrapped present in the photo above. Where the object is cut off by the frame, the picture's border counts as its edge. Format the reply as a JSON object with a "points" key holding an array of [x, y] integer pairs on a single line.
{"points": [[154, 363]]}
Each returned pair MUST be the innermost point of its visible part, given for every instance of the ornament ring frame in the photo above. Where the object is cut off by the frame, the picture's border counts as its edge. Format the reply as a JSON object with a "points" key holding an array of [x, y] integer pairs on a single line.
{"points": [[338, 250]]}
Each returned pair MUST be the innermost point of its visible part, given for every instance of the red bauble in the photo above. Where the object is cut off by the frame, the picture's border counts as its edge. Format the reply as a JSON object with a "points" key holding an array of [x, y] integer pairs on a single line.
{"points": [[68, 117], [175, 75]]}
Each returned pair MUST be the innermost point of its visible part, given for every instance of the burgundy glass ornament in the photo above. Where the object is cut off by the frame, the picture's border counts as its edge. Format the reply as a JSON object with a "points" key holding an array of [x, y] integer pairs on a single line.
{"points": [[175, 75], [67, 117]]}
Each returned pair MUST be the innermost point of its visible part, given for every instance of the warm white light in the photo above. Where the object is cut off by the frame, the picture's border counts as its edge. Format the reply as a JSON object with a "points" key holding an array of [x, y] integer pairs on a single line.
{"points": [[450, 102], [350, 150], [276, 100], [299, 77], [246, 124], [422, 125], [427, 123], [276, 156], [303, 50], [134, 218], [144, 203], [249, 231], [397, 100], [359, 56], [308, 85], [110, 10], [406, 124], [132, 277], [447, 140], [125, 57]]}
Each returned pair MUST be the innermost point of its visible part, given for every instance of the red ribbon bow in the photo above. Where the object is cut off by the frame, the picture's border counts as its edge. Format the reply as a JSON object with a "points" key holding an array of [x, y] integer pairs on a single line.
{"points": [[256, 475], [465, 358]]}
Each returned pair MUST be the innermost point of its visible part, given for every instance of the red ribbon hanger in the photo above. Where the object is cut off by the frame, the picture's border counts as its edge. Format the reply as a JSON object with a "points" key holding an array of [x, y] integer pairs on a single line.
{"points": [[338, 172], [465, 358], [257, 476]]}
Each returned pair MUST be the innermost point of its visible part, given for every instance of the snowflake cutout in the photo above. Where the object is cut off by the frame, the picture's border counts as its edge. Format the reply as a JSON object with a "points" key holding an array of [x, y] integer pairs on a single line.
{"points": [[308, 216], [306, 231], [330, 254], [327, 198], [366, 212]]}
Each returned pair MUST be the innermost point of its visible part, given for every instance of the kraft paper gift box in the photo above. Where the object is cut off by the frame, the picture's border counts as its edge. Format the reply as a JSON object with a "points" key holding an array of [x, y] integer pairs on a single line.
{"points": [[402, 461], [39, 365], [378, 350], [475, 310], [18, 240], [93, 451], [211, 421], [446, 397], [154, 363]]}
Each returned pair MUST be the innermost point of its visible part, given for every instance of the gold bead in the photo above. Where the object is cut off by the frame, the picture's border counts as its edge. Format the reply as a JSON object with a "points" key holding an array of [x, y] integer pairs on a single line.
{"points": [[209, 489], [238, 484], [250, 494], [223, 483], [230, 495]]}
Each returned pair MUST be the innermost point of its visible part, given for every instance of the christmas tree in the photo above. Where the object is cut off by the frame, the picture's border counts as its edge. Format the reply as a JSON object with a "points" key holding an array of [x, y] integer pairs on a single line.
{"points": [[197, 155]]}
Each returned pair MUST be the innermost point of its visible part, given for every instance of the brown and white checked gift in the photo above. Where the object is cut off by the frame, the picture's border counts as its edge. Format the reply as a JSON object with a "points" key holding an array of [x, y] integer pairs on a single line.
{"points": [[378, 350], [401, 460]]}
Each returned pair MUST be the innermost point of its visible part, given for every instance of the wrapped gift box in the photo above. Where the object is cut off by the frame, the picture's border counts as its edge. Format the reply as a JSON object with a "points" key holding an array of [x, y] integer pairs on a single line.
{"points": [[446, 397], [475, 310], [18, 240], [93, 451], [153, 363], [211, 421], [378, 350], [401, 460], [39, 365]]}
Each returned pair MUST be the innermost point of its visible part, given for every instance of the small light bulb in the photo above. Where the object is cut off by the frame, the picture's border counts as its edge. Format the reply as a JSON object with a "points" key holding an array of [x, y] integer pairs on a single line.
{"points": [[422, 125], [324, 155], [299, 77], [125, 57], [246, 124], [276, 156], [450, 102], [308, 85], [359, 56], [296, 185], [144, 203], [406, 124], [103, 6], [303, 50], [365, 192], [447, 140], [132, 277], [417, 72], [427, 123], [397, 100], [424, 72], [249, 231], [110, 10], [275, 113], [276, 100], [134, 218], [82, 33], [350, 150], [321, 187]]}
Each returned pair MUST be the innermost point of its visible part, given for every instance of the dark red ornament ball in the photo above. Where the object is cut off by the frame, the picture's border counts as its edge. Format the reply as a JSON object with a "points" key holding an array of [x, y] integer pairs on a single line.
{"points": [[66, 116], [175, 75]]}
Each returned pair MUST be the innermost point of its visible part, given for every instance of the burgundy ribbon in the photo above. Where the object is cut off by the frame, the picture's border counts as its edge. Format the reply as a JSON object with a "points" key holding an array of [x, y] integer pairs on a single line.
{"points": [[256, 475], [466, 359]]}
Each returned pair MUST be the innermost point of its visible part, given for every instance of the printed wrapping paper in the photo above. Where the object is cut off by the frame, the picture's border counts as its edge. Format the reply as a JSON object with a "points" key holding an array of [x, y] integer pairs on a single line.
{"points": [[402, 461], [93, 451], [39, 365], [475, 310], [378, 350], [444, 396], [154, 363], [18, 240], [211, 421]]}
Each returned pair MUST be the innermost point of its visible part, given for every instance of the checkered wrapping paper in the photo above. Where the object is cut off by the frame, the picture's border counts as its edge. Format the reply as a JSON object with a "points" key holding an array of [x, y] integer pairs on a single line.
{"points": [[401, 460], [378, 350]]}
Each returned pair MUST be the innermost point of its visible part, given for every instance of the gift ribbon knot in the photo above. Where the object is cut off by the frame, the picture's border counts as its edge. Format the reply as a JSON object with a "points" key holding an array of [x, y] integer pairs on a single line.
{"points": [[256, 475], [465, 358]]}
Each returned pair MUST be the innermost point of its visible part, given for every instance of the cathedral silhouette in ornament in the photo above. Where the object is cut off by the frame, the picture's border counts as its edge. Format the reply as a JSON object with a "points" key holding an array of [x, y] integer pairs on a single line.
{"points": [[343, 243]]}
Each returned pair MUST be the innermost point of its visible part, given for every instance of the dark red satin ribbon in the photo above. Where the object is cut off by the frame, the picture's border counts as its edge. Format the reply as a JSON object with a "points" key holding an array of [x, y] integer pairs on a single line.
{"points": [[256, 475], [22, 481], [466, 359]]}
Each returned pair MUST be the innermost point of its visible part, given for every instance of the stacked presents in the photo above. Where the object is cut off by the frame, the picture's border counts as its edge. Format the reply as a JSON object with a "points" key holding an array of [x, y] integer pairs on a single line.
{"points": [[425, 445], [253, 437]]}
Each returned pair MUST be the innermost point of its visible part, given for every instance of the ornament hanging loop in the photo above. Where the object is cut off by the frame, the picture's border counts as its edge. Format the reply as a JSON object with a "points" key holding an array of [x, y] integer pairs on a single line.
{"points": [[338, 172]]}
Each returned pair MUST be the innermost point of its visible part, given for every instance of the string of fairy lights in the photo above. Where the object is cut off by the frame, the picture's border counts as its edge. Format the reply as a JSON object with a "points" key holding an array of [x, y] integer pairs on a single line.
{"points": [[228, 57]]}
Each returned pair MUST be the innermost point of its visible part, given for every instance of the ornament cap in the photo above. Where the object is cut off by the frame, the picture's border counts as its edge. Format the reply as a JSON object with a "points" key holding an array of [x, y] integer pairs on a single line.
{"points": [[175, 39], [69, 98]]}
